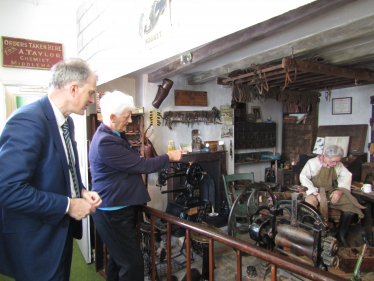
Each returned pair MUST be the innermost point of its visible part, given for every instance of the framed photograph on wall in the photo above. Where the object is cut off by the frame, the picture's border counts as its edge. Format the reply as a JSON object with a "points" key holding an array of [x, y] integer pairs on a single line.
{"points": [[342, 106], [256, 111]]}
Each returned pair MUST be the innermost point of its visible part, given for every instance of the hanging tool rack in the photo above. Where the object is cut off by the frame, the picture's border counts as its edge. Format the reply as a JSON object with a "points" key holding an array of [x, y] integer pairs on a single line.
{"points": [[294, 76], [170, 118]]}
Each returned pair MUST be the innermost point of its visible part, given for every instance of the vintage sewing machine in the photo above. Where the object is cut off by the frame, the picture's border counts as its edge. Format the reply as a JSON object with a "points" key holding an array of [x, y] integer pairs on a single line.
{"points": [[282, 223], [187, 204]]}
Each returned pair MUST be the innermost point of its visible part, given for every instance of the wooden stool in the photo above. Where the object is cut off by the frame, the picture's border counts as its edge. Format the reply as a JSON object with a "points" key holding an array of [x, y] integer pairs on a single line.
{"points": [[197, 237]]}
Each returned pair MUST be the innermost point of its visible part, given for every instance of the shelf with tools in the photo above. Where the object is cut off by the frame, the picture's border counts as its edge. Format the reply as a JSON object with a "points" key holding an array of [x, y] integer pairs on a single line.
{"points": [[135, 132], [298, 136], [255, 157], [252, 134]]}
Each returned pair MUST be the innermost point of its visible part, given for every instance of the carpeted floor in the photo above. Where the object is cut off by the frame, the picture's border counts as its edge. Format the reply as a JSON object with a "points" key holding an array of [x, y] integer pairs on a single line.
{"points": [[80, 271]]}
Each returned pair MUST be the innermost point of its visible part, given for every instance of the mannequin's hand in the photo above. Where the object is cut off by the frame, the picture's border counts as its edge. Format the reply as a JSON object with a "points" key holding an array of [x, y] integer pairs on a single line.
{"points": [[335, 196]]}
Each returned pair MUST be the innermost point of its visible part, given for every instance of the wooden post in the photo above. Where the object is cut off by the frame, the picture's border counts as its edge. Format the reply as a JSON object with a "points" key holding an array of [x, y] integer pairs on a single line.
{"points": [[238, 265]]}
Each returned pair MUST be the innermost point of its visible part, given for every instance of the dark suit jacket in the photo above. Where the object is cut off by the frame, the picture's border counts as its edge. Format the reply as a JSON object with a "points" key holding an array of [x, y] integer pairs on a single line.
{"points": [[34, 186], [116, 169]]}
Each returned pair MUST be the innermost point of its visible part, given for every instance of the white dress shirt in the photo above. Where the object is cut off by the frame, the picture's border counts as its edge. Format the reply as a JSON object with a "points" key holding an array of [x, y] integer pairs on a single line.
{"points": [[312, 168], [60, 119]]}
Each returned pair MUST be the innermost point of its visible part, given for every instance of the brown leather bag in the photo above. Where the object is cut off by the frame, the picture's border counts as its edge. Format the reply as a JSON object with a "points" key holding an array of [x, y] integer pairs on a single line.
{"points": [[149, 150]]}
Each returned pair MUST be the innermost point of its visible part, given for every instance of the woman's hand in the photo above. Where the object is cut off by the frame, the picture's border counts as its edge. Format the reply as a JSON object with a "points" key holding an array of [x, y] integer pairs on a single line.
{"points": [[176, 155], [335, 196]]}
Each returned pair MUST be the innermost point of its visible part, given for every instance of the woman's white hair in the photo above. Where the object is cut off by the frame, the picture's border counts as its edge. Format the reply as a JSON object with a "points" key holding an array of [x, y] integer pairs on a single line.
{"points": [[115, 103], [334, 151]]}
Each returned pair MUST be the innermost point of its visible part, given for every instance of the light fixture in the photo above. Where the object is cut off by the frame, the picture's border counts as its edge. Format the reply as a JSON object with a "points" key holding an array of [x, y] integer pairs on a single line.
{"points": [[186, 58]]}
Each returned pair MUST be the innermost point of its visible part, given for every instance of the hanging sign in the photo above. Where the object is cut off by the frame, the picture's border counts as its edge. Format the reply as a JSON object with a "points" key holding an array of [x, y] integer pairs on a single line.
{"points": [[190, 98], [24, 53]]}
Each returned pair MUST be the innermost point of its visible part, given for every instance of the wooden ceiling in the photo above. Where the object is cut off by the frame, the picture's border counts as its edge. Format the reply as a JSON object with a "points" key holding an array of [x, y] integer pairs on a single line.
{"points": [[344, 54], [242, 38], [299, 75]]}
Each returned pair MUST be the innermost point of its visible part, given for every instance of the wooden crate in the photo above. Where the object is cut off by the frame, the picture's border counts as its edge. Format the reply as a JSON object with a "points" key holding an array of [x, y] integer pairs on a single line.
{"points": [[348, 258], [366, 168]]}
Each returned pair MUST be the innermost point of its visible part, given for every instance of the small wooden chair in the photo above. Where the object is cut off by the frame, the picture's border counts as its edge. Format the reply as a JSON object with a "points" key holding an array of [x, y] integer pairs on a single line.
{"points": [[232, 192], [230, 187]]}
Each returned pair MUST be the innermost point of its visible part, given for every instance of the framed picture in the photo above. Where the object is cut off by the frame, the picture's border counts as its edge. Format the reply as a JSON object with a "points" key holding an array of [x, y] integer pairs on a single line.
{"points": [[227, 115], [226, 132], [342, 106], [186, 146], [256, 111]]}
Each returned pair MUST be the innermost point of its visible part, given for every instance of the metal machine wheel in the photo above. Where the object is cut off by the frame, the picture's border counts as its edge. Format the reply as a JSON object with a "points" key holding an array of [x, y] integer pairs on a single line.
{"points": [[251, 208], [194, 174]]}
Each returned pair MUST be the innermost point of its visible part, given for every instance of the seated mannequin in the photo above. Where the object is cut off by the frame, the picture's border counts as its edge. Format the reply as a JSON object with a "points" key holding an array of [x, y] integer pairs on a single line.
{"points": [[328, 172]]}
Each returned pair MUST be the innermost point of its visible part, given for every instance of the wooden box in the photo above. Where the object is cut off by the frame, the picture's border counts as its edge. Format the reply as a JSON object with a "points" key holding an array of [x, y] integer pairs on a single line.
{"points": [[348, 258], [285, 177], [366, 168]]}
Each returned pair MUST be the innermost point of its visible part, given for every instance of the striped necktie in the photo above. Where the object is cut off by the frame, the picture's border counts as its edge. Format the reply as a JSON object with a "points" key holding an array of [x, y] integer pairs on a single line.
{"points": [[65, 130]]}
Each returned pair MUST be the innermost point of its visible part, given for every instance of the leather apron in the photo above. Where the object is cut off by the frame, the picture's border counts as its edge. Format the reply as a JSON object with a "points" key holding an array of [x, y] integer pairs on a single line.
{"points": [[327, 178]]}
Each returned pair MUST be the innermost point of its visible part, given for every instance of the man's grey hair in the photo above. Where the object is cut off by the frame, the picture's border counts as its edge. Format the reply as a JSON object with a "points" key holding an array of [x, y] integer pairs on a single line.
{"points": [[115, 103], [334, 151], [71, 70]]}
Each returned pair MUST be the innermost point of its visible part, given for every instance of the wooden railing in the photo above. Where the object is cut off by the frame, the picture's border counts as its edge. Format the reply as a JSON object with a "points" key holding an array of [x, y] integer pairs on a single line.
{"points": [[274, 259]]}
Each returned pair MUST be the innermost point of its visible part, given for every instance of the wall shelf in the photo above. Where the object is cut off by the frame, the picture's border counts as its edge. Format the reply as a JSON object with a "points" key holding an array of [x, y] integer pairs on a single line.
{"points": [[253, 162], [240, 158]]}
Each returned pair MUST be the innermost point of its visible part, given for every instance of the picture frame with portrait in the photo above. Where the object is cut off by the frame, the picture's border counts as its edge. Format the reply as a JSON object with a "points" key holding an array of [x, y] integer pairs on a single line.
{"points": [[256, 111]]}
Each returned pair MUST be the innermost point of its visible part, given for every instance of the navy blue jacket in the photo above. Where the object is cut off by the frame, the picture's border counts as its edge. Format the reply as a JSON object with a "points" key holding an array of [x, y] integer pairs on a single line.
{"points": [[116, 169], [34, 186]]}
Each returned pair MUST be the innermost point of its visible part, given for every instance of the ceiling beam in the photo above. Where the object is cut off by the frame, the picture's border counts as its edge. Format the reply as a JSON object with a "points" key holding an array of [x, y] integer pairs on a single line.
{"points": [[353, 30], [353, 54], [248, 35], [305, 66]]}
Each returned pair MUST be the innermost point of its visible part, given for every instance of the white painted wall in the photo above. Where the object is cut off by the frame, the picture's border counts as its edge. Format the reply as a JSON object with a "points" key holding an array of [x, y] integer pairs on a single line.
{"points": [[125, 85], [361, 109]]}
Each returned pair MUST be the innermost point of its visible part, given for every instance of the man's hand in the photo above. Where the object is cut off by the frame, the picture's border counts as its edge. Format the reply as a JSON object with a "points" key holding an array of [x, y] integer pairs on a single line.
{"points": [[92, 197], [176, 155], [335, 196], [80, 208]]}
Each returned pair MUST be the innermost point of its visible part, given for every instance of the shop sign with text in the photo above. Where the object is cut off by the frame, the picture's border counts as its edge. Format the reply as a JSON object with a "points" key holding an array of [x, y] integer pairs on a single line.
{"points": [[24, 53]]}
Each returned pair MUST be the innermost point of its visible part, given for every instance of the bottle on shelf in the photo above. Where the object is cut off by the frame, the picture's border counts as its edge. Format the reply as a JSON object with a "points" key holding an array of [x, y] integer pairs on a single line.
{"points": [[270, 176]]}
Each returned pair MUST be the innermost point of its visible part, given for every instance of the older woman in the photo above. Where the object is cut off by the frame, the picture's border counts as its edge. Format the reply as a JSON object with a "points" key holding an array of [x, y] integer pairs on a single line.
{"points": [[328, 172], [116, 170]]}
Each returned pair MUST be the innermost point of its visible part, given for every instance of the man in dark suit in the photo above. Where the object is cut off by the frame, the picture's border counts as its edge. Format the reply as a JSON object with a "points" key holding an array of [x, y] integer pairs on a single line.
{"points": [[42, 199]]}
